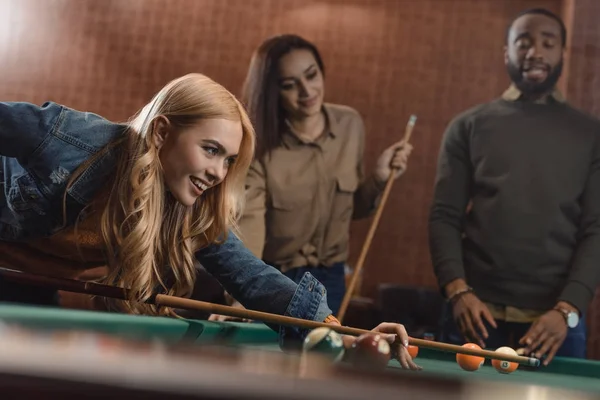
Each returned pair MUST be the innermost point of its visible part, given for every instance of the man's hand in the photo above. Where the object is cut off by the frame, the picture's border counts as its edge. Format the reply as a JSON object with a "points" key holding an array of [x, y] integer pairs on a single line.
{"points": [[547, 334], [469, 312]]}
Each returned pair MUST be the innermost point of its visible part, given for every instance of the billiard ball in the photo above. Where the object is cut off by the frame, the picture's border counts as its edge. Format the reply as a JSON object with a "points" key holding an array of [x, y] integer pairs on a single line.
{"points": [[326, 342], [413, 351], [505, 367], [469, 362], [370, 350]]}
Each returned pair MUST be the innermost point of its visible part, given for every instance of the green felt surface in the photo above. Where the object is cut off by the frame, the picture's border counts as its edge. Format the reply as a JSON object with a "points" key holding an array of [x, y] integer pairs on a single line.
{"points": [[561, 373], [137, 327]]}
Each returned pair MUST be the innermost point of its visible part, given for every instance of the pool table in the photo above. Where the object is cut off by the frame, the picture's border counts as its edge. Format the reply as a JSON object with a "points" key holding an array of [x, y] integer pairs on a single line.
{"points": [[441, 376]]}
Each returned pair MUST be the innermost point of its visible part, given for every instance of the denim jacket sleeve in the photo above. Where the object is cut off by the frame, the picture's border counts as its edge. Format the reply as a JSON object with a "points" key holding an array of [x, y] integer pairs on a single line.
{"points": [[261, 287], [23, 127]]}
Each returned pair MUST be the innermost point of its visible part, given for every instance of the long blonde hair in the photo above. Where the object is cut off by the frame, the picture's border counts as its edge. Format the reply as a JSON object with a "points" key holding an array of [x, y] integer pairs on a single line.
{"points": [[150, 238]]}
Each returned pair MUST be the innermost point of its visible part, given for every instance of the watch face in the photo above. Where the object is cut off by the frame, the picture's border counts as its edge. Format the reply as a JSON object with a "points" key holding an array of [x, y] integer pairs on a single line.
{"points": [[572, 319]]}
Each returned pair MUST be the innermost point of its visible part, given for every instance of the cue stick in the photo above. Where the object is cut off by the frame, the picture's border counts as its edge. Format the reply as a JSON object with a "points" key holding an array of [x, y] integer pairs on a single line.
{"points": [[72, 285], [367, 244]]}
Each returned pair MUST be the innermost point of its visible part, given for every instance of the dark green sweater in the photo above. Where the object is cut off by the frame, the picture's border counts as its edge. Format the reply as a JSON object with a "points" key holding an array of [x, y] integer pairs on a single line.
{"points": [[532, 175]]}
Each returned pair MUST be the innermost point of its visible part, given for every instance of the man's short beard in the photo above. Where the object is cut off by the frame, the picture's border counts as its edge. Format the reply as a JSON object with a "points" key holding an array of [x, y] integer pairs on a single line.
{"points": [[534, 88]]}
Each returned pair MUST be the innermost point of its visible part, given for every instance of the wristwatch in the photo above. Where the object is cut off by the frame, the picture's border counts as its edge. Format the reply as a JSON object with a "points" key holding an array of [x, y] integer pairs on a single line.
{"points": [[571, 317]]}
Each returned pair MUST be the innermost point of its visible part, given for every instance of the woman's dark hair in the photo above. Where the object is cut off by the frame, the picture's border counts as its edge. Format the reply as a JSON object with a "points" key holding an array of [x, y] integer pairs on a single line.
{"points": [[260, 94]]}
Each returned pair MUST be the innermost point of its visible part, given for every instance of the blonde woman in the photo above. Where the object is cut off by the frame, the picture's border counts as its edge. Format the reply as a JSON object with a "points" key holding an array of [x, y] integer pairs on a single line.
{"points": [[145, 198]]}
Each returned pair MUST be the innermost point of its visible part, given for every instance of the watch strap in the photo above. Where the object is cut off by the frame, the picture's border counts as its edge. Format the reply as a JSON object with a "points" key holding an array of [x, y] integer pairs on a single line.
{"points": [[565, 313]]}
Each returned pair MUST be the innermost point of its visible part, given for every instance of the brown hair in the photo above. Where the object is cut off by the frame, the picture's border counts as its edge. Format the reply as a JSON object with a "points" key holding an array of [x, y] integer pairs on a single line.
{"points": [[260, 94]]}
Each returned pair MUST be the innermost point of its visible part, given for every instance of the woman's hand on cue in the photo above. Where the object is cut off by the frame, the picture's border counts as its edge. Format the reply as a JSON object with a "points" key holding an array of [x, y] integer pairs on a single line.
{"points": [[399, 346], [225, 318], [394, 157]]}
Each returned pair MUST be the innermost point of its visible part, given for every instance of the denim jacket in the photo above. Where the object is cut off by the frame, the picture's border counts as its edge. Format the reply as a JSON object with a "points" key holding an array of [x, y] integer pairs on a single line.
{"points": [[40, 147]]}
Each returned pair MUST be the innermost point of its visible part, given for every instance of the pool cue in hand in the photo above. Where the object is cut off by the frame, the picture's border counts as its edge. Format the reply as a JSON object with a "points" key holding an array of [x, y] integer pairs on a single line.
{"points": [[367, 244], [72, 285]]}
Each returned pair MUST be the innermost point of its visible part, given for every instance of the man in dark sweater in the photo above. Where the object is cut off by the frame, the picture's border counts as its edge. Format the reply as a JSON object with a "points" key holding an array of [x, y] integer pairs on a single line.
{"points": [[515, 219]]}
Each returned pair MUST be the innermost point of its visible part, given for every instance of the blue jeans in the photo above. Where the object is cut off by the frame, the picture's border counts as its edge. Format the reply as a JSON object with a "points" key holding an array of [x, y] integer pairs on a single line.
{"points": [[332, 278], [509, 334]]}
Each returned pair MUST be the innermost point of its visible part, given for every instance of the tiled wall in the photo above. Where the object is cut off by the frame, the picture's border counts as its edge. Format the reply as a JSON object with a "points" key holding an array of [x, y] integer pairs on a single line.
{"points": [[388, 59]]}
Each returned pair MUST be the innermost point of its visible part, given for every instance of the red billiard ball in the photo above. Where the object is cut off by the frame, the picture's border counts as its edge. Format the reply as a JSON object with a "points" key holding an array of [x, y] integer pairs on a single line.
{"points": [[370, 350]]}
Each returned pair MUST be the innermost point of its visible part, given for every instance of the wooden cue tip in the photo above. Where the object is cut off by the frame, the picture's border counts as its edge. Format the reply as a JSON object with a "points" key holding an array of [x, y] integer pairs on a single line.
{"points": [[412, 120]]}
